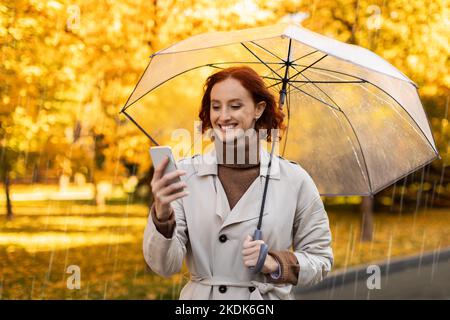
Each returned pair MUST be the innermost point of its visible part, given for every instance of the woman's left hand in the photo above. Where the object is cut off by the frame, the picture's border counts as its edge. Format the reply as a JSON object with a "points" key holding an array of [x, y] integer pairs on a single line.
{"points": [[250, 253]]}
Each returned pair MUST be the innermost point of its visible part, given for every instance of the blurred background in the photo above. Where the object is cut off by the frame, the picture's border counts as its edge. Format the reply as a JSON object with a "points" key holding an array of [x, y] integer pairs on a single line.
{"points": [[75, 174]]}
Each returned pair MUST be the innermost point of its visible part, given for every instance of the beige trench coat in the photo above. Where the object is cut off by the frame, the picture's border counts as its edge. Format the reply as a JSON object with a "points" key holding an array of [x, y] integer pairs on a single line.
{"points": [[294, 218]]}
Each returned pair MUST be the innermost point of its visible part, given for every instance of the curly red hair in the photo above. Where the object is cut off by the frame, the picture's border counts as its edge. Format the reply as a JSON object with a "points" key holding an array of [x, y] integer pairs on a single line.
{"points": [[272, 117]]}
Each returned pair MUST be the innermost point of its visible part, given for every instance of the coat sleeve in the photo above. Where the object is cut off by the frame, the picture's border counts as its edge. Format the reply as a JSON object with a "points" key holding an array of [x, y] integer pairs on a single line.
{"points": [[311, 235], [288, 267], [167, 227], [165, 255]]}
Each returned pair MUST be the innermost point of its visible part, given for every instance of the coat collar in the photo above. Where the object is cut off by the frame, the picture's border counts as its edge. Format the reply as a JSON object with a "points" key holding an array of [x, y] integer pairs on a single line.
{"points": [[207, 164]]}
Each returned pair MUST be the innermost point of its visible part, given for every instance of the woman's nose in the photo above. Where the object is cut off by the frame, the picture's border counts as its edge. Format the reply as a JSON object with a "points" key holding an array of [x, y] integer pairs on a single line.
{"points": [[224, 114]]}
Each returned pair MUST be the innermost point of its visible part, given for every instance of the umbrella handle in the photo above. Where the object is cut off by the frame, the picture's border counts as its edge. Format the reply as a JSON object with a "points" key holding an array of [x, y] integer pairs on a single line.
{"points": [[262, 253]]}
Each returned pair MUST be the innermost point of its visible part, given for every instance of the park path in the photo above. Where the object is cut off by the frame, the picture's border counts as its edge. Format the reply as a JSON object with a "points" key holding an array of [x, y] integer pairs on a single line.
{"points": [[424, 276]]}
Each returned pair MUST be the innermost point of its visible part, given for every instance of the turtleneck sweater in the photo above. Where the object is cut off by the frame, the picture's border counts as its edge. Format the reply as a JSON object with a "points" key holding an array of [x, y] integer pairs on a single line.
{"points": [[236, 174]]}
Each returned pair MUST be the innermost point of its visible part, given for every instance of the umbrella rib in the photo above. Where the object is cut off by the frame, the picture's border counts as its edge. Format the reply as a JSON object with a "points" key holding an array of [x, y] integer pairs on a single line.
{"points": [[214, 66], [387, 93], [268, 51], [246, 62], [333, 71], [157, 86], [274, 79], [423, 133], [305, 55], [315, 85], [205, 65], [176, 75], [276, 83], [353, 129], [270, 78], [369, 82], [261, 60], [354, 132], [351, 126], [317, 81], [135, 87], [325, 103], [308, 67], [140, 128], [362, 152]]}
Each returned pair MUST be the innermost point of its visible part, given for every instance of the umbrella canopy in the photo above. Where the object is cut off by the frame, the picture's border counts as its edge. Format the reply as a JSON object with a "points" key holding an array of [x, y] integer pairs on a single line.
{"points": [[355, 122]]}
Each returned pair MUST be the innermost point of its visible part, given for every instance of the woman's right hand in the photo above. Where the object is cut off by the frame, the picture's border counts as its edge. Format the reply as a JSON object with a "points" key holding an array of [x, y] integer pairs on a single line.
{"points": [[166, 189]]}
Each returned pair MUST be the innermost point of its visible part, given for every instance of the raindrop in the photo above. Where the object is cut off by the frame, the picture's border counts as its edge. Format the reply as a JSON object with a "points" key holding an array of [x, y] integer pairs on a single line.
{"points": [[441, 179], [393, 196], [421, 252], [435, 262], [105, 290], [333, 286], [419, 195], [347, 252], [1, 286], [65, 263], [354, 244], [433, 193], [136, 267], [444, 161], [355, 285], [32, 288], [426, 202], [389, 256], [173, 287], [372, 241], [48, 273], [402, 194], [87, 291]]}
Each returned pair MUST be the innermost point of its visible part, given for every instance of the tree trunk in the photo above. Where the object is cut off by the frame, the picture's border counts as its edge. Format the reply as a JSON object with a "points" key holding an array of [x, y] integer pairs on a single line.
{"points": [[98, 197], [367, 219], [9, 212]]}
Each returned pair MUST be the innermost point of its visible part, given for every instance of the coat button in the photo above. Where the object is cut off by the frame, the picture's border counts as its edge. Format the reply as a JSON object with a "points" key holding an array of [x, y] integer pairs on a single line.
{"points": [[223, 289], [223, 238], [251, 289]]}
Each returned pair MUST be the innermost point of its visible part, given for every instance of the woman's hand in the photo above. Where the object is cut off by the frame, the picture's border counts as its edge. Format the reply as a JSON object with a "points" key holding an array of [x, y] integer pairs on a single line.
{"points": [[165, 189], [250, 253]]}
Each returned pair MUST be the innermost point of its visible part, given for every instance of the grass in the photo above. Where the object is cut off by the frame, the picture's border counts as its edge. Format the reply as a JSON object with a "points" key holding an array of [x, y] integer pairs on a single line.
{"points": [[44, 238]]}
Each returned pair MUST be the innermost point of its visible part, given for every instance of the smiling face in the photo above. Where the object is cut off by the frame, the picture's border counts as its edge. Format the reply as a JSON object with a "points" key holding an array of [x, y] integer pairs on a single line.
{"points": [[232, 110]]}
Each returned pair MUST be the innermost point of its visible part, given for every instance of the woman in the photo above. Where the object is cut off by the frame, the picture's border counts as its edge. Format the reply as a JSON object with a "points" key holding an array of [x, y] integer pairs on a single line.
{"points": [[210, 217]]}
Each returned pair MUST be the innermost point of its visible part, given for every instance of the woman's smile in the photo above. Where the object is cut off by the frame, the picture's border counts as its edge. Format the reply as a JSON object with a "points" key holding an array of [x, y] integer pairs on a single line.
{"points": [[232, 109]]}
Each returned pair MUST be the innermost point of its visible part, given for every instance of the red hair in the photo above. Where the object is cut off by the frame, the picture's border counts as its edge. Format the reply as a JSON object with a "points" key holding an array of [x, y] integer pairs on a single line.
{"points": [[272, 117]]}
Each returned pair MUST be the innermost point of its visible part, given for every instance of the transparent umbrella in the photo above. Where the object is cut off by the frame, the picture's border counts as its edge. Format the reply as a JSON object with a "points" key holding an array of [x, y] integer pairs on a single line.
{"points": [[355, 122]]}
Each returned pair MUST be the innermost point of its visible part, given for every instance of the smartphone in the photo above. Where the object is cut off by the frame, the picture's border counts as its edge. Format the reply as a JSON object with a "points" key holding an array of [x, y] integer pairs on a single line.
{"points": [[158, 154]]}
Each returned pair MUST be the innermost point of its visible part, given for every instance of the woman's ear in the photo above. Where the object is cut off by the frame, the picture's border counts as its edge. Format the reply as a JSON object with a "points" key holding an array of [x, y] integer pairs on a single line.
{"points": [[260, 106]]}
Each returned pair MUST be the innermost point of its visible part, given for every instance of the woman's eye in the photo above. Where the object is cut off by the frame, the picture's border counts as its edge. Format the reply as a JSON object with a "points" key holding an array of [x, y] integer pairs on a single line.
{"points": [[236, 106], [215, 107]]}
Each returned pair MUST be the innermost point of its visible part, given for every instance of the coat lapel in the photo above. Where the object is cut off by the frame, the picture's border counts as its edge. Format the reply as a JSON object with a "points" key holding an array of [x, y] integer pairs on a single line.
{"points": [[222, 205], [249, 206]]}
